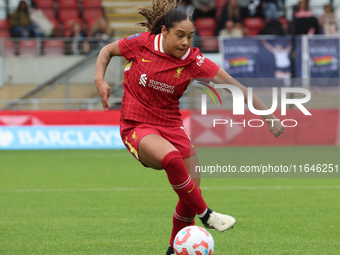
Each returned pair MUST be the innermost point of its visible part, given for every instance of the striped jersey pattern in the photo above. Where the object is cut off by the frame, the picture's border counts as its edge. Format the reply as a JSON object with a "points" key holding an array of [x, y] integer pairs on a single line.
{"points": [[154, 81]]}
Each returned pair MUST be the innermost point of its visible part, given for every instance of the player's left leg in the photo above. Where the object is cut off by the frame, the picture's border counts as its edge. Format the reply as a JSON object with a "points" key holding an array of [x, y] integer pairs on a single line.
{"points": [[183, 215]]}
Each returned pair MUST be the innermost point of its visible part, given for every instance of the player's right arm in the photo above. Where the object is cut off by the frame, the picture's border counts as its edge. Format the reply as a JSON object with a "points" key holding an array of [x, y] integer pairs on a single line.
{"points": [[103, 60]]}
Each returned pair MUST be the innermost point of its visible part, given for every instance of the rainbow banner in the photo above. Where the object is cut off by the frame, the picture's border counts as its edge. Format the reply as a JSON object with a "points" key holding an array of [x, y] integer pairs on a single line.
{"points": [[323, 60], [237, 62]]}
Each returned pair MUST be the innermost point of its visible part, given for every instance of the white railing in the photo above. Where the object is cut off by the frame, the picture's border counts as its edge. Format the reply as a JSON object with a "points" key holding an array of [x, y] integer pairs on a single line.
{"points": [[66, 104]]}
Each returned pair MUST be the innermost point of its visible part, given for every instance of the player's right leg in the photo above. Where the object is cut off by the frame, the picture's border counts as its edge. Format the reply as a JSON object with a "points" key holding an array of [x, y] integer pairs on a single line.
{"points": [[158, 153], [150, 148]]}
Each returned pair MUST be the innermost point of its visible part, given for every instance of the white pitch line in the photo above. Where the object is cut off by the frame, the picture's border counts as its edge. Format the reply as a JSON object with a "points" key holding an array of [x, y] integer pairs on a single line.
{"points": [[167, 188]]}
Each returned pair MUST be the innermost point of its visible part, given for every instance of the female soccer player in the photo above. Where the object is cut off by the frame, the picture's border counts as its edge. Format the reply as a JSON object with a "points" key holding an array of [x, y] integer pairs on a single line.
{"points": [[161, 63]]}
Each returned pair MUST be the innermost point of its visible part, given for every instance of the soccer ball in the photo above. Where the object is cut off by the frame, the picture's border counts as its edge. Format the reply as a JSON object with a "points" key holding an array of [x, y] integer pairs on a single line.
{"points": [[194, 240]]}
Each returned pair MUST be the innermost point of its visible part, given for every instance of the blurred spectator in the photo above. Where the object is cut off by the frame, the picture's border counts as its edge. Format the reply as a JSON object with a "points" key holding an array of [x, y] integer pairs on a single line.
{"points": [[274, 27], [231, 11], [79, 43], [204, 9], [21, 24], [337, 14], [305, 22], [303, 11], [101, 30], [40, 20], [328, 21], [282, 60], [270, 10], [250, 8], [231, 30], [186, 6]]}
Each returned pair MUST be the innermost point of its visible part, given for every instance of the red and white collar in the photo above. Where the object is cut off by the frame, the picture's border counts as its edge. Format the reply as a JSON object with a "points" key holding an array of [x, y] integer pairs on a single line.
{"points": [[158, 44]]}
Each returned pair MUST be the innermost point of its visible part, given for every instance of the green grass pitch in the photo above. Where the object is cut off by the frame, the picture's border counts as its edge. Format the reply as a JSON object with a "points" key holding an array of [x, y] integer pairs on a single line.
{"points": [[105, 202]]}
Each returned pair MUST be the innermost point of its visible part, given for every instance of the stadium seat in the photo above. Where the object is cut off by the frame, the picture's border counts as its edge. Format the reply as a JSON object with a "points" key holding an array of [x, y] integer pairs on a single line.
{"points": [[255, 25], [49, 12], [90, 23], [45, 3], [28, 48], [209, 44], [67, 26], [5, 34], [205, 26], [206, 30], [55, 23], [68, 3], [4, 24], [4, 29], [92, 13], [66, 14], [92, 3], [8, 48], [53, 48], [205, 23], [220, 3]]}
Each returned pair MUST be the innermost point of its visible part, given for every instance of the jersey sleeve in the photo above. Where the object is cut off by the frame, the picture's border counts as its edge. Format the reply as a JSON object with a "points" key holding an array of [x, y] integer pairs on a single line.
{"points": [[203, 67], [130, 45]]}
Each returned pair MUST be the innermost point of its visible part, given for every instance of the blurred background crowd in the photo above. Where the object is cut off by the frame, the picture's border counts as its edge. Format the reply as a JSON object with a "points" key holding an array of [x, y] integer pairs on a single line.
{"points": [[85, 24]]}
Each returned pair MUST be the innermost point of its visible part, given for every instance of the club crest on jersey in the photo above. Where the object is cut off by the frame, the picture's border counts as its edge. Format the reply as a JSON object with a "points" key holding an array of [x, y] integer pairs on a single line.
{"points": [[179, 72], [133, 36]]}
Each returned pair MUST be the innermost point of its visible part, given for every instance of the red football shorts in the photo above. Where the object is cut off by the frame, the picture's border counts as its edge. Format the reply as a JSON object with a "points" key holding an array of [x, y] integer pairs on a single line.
{"points": [[132, 132]]}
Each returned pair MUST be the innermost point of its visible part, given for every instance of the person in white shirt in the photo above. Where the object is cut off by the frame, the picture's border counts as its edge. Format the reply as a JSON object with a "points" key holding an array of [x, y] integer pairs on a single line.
{"points": [[282, 60], [40, 20]]}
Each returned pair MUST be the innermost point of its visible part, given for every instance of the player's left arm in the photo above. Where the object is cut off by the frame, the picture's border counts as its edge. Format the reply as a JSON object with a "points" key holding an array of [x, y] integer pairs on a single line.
{"points": [[275, 127]]}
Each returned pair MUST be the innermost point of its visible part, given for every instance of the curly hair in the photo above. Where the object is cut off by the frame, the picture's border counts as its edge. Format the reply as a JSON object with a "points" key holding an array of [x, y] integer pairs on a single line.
{"points": [[162, 12]]}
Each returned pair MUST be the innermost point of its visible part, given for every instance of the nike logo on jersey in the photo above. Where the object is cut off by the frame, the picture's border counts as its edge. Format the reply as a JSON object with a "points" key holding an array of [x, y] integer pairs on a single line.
{"points": [[146, 61]]}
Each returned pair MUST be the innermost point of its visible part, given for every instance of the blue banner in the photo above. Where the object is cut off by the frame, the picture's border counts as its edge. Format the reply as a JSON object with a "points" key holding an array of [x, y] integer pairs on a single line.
{"points": [[324, 59], [60, 137], [261, 58]]}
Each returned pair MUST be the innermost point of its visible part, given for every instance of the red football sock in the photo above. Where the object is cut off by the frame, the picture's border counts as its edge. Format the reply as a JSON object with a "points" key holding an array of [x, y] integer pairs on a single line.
{"points": [[183, 217], [182, 183]]}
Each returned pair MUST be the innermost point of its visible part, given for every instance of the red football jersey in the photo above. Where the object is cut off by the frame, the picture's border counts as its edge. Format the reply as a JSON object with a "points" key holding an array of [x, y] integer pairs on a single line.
{"points": [[154, 81]]}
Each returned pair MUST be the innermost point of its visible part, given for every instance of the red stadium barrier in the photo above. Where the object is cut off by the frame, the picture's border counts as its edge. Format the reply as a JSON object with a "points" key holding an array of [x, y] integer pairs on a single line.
{"points": [[319, 129], [36, 118]]}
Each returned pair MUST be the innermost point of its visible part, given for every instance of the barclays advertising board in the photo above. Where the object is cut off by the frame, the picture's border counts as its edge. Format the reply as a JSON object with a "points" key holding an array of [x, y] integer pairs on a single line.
{"points": [[60, 137]]}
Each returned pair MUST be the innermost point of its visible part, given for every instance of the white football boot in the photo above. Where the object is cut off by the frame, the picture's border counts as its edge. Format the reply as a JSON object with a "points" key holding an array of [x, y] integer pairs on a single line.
{"points": [[220, 222]]}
